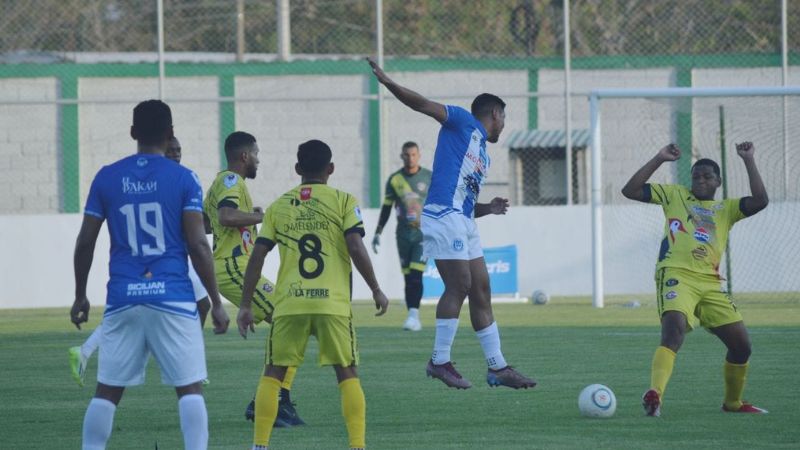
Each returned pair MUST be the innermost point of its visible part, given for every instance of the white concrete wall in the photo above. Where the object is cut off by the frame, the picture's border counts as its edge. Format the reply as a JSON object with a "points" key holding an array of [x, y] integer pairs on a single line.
{"points": [[280, 126], [29, 157], [554, 251], [105, 127]]}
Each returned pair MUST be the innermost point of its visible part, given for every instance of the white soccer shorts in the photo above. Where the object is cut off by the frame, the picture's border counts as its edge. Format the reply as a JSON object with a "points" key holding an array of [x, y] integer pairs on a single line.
{"points": [[452, 236], [200, 291], [169, 331]]}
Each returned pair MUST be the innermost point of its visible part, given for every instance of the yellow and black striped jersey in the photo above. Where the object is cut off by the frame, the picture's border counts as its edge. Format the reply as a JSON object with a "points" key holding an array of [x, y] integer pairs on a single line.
{"points": [[229, 190], [309, 224]]}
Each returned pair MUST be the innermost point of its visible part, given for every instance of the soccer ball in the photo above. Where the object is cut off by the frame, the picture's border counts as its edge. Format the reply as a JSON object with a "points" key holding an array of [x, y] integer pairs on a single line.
{"points": [[597, 400], [540, 297]]}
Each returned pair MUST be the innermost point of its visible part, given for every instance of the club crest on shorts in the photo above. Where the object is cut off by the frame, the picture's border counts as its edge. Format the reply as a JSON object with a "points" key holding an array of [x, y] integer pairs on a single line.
{"points": [[458, 245], [672, 282], [670, 295], [267, 288]]}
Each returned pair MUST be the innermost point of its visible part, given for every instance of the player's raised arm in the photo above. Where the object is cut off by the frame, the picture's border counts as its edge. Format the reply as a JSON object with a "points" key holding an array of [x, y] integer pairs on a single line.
{"points": [[360, 257], [82, 262], [634, 189], [252, 274], [409, 98], [758, 199], [200, 254]]}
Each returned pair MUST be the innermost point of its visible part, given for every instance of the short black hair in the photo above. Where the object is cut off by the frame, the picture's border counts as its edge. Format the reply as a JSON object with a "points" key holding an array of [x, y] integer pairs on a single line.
{"points": [[485, 103], [410, 144], [152, 121], [313, 156], [710, 163], [236, 143]]}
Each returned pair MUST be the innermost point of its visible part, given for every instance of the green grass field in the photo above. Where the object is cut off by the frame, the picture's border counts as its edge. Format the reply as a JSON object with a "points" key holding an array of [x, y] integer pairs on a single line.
{"points": [[566, 345]]}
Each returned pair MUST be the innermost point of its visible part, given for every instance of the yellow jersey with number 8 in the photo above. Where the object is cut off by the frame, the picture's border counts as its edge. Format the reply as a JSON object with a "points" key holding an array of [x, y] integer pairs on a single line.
{"points": [[309, 224]]}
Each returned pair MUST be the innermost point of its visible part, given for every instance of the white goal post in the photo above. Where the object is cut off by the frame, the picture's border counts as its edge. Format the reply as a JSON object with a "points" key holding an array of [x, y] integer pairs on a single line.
{"points": [[596, 98]]}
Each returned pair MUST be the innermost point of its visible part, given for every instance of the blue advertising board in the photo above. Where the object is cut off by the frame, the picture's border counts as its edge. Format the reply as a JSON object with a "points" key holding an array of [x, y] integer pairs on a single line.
{"points": [[501, 263]]}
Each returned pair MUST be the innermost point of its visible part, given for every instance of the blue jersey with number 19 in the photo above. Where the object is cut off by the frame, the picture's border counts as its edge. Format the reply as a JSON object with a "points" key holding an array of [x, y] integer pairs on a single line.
{"points": [[143, 198]]}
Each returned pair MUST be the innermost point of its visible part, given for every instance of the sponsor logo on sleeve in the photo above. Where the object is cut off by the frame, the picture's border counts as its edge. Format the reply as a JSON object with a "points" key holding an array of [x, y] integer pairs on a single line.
{"points": [[230, 180], [357, 210]]}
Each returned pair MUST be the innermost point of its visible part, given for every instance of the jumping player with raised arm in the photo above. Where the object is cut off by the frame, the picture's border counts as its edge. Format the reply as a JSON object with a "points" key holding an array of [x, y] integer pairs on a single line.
{"points": [[450, 233], [154, 212], [318, 231], [688, 282]]}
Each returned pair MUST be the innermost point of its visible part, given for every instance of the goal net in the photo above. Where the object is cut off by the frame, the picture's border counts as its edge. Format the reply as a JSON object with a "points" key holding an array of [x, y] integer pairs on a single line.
{"points": [[628, 128]]}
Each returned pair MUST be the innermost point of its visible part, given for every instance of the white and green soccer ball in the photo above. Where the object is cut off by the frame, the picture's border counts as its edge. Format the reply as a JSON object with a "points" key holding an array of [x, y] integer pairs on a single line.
{"points": [[540, 297], [597, 400]]}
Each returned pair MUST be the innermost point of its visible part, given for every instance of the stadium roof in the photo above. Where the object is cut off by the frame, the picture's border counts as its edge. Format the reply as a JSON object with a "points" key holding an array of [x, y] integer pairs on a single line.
{"points": [[521, 139]]}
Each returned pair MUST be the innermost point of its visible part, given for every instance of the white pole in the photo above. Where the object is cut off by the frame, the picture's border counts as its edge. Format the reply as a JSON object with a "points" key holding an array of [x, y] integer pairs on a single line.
{"points": [[785, 79], [568, 100], [284, 30], [597, 199], [239, 30], [160, 14], [382, 116]]}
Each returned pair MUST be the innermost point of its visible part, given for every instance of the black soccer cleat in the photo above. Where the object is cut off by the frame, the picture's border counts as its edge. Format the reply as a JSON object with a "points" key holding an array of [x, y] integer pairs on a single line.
{"points": [[286, 411]]}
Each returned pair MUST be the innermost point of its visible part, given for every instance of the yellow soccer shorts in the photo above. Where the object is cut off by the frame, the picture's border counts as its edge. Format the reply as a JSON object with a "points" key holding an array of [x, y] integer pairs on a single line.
{"points": [[336, 336], [230, 279], [695, 295]]}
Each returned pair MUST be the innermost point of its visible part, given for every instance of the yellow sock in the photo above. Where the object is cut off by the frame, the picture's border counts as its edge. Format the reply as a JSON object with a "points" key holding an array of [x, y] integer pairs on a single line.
{"points": [[266, 409], [661, 370], [288, 379], [354, 410], [735, 376]]}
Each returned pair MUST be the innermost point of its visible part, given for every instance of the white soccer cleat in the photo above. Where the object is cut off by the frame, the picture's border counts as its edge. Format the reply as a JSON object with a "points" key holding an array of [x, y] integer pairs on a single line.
{"points": [[412, 324], [77, 364]]}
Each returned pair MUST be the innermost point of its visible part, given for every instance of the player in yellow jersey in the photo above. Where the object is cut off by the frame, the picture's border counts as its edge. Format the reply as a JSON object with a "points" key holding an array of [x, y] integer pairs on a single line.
{"points": [[233, 219], [318, 230], [688, 282]]}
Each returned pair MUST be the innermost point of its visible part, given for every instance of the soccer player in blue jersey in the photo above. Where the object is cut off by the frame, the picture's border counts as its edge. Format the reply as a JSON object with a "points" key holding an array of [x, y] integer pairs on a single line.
{"points": [[154, 211], [450, 234], [79, 355]]}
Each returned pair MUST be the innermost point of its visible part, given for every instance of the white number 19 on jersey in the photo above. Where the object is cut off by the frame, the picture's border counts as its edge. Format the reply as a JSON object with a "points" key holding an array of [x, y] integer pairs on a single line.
{"points": [[156, 230]]}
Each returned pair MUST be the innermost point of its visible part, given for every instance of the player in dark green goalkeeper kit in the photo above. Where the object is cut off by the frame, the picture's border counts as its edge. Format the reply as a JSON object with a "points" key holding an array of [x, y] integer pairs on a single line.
{"points": [[406, 190]]}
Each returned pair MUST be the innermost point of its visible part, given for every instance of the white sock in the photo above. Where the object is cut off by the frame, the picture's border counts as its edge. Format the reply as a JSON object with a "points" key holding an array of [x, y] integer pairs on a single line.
{"points": [[413, 312], [445, 335], [97, 424], [92, 342], [489, 338], [194, 421]]}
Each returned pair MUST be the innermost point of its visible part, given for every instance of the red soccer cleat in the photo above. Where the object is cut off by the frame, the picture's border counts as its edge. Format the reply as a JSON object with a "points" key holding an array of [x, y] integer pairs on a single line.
{"points": [[651, 402], [448, 374], [745, 408]]}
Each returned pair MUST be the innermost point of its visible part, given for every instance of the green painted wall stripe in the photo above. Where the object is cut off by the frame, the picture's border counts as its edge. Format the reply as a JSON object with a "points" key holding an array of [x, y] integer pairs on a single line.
{"points": [[359, 67], [374, 147], [683, 78], [227, 115], [70, 154], [533, 102]]}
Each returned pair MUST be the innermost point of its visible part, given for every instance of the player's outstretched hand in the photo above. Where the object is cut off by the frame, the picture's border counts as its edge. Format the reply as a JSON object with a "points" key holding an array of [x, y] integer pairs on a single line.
{"points": [[219, 317], [376, 242], [379, 73], [745, 149], [669, 152], [381, 302], [245, 321], [80, 311], [498, 205]]}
